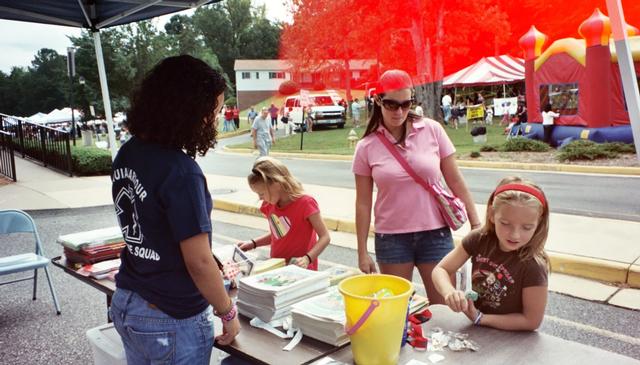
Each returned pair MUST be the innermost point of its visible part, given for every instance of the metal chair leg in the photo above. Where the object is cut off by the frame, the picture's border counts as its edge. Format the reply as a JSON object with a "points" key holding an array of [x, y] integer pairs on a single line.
{"points": [[35, 283], [53, 291]]}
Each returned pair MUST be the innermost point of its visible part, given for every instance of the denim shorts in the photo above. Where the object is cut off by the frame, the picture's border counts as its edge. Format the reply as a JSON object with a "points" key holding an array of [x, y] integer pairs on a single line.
{"points": [[152, 337], [417, 247]]}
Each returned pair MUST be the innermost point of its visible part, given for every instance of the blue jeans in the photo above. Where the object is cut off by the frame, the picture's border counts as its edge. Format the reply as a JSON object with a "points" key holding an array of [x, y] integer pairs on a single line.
{"points": [[447, 113], [152, 337], [417, 247]]}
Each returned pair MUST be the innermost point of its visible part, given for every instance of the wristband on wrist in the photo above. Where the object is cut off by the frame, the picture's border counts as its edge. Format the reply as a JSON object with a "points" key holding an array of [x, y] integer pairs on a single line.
{"points": [[230, 315], [254, 243], [308, 257], [476, 322]]}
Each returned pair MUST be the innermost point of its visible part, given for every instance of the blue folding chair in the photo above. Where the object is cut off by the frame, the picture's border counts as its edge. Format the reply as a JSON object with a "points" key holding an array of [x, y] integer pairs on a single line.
{"points": [[17, 221]]}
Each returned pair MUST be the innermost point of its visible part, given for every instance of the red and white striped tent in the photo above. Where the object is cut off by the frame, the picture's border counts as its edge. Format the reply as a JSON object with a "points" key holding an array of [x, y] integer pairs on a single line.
{"points": [[488, 71]]}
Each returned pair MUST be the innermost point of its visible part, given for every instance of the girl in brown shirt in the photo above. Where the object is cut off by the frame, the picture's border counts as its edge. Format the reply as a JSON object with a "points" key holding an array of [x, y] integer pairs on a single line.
{"points": [[509, 263]]}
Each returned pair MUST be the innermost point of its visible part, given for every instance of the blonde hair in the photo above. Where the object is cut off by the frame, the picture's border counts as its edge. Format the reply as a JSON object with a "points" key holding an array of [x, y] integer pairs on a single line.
{"points": [[267, 170], [535, 247]]}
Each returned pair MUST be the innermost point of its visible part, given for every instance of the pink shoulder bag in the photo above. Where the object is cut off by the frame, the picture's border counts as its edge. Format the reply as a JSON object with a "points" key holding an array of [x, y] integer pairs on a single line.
{"points": [[451, 207]]}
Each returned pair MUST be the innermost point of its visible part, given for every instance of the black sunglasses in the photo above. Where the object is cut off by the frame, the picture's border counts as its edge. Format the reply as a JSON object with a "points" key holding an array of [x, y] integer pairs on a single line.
{"points": [[393, 105]]}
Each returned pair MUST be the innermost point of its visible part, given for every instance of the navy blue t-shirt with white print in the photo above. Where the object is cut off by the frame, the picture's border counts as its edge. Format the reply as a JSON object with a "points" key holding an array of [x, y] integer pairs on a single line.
{"points": [[161, 198]]}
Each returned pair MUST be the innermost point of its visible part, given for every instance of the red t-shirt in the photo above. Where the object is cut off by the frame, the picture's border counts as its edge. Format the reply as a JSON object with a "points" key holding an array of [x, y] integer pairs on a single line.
{"points": [[228, 114], [292, 235]]}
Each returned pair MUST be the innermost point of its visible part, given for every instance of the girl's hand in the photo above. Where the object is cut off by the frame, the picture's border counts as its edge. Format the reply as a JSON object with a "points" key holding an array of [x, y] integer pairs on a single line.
{"points": [[366, 264], [457, 301], [471, 312], [245, 246], [303, 261]]}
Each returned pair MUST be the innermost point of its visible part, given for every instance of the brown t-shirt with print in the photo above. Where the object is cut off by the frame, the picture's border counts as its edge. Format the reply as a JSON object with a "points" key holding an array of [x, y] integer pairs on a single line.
{"points": [[499, 277]]}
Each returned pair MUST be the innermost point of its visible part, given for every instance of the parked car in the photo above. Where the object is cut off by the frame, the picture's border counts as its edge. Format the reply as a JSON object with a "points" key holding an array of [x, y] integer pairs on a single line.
{"points": [[323, 110]]}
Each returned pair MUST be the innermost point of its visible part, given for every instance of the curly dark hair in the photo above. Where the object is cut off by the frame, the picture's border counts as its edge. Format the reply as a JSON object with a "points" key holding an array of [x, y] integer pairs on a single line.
{"points": [[175, 105]]}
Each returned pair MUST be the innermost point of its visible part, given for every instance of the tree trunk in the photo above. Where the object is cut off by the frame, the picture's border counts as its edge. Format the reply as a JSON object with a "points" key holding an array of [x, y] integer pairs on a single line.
{"points": [[347, 79]]}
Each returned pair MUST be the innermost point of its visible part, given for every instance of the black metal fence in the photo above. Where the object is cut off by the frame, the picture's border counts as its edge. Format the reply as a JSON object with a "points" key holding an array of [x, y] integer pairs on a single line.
{"points": [[7, 160], [50, 146]]}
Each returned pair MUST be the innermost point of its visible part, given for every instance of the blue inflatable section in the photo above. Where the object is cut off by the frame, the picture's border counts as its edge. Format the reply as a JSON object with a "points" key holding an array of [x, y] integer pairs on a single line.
{"points": [[562, 134]]}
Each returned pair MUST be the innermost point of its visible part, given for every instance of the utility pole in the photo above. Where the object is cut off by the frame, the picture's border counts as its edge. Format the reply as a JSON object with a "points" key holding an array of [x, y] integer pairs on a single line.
{"points": [[71, 70]]}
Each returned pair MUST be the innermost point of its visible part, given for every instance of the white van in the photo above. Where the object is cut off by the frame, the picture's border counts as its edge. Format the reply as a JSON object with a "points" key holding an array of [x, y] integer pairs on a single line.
{"points": [[324, 110]]}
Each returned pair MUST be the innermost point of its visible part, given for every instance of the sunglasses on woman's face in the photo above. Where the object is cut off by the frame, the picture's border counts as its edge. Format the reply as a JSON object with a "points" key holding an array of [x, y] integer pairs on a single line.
{"points": [[393, 105]]}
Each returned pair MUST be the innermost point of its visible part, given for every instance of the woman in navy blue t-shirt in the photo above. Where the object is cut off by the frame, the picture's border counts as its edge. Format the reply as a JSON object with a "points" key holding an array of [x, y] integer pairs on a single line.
{"points": [[169, 281]]}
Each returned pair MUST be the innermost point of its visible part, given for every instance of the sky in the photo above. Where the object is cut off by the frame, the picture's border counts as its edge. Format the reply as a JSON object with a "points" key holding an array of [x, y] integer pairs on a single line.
{"points": [[19, 41]]}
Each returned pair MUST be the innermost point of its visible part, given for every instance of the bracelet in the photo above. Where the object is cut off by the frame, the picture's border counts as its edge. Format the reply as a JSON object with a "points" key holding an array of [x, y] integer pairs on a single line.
{"points": [[230, 315], [254, 243], [476, 322], [309, 257]]}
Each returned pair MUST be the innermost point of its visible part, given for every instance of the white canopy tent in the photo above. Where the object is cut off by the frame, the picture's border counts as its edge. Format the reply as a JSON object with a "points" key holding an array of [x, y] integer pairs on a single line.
{"points": [[498, 70]]}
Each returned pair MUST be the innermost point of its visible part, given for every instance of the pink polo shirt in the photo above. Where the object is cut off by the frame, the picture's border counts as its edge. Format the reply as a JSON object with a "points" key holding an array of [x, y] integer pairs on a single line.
{"points": [[402, 205]]}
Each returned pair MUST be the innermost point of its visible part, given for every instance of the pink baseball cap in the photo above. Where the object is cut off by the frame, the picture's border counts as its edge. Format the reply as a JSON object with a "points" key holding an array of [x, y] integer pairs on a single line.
{"points": [[392, 80]]}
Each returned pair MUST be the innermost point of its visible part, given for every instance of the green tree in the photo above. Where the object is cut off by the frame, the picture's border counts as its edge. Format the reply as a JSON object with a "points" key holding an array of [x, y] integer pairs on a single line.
{"points": [[235, 30]]}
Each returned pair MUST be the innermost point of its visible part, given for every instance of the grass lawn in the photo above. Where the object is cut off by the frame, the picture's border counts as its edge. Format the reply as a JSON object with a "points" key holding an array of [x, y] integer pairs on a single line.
{"points": [[334, 141]]}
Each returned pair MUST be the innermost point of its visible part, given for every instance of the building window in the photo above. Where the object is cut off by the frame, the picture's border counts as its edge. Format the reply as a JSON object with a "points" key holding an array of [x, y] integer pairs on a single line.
{"points": [[276, 75], [246, 75], [562, 97], [257, 75]]}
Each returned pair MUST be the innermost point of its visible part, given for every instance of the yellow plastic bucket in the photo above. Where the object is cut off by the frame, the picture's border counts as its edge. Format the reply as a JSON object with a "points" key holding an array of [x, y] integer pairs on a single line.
{"points": [[375, 325]]}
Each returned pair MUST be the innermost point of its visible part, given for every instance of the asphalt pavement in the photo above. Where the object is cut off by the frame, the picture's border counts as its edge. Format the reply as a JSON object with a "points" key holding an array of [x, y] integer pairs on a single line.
{"points": [[31, 333]]}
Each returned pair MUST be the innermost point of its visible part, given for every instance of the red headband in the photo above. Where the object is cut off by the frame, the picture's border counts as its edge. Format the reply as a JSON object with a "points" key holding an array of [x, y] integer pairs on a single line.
{"points": [[523, 188]]}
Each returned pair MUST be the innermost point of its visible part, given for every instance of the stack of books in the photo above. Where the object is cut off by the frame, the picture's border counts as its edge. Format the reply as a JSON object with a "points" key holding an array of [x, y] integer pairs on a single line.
{"points": [[337, 273], [92, 246], [101, 270], [267, 265], [322, 317], [270, 295]]}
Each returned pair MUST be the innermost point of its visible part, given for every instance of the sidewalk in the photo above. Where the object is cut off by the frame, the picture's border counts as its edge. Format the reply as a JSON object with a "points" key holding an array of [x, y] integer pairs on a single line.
{"points": [[594, 248]]}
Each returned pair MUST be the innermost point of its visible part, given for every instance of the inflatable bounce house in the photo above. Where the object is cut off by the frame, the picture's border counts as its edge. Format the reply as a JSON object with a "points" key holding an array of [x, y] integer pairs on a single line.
{"points": [[580, 78]]}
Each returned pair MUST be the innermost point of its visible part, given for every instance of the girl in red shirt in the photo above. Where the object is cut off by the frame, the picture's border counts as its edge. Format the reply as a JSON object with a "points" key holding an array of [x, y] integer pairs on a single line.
{"points": [[297, 232]]}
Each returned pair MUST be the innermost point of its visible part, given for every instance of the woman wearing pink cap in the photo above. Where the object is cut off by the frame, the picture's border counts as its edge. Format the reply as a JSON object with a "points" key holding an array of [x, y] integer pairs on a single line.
{"points": [[409, 230]]}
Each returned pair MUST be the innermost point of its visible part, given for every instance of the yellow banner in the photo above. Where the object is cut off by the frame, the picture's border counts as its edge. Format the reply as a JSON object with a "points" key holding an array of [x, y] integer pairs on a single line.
{"points": [[475, 112]]}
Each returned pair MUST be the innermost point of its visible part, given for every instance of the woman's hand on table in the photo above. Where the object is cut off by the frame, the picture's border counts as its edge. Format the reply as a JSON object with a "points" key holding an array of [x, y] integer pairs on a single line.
{"points": [[230, 330]]}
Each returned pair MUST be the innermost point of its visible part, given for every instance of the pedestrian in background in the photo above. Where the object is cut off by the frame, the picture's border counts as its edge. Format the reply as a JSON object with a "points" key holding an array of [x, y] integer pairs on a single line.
{"points": [[236, 117], [356, 109], [409, 228], [446, 108], [168, 280], [548, 121], [273, 112], [251, 115], [228, 120], [262, 133]]}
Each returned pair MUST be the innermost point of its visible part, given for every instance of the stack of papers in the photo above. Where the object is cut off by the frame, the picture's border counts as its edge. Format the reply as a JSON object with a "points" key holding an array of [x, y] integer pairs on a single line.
{"points": [[339, 273], [322, 317], [267, 265], [93, 246], [270, 295]]}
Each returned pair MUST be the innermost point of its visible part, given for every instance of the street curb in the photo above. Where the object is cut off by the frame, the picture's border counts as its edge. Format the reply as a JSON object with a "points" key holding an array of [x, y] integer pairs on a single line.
{"points": [[580, 266], [634, 274], [233, 134], [588, 267], [611, 170], [311, 156], [608, 170]]}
